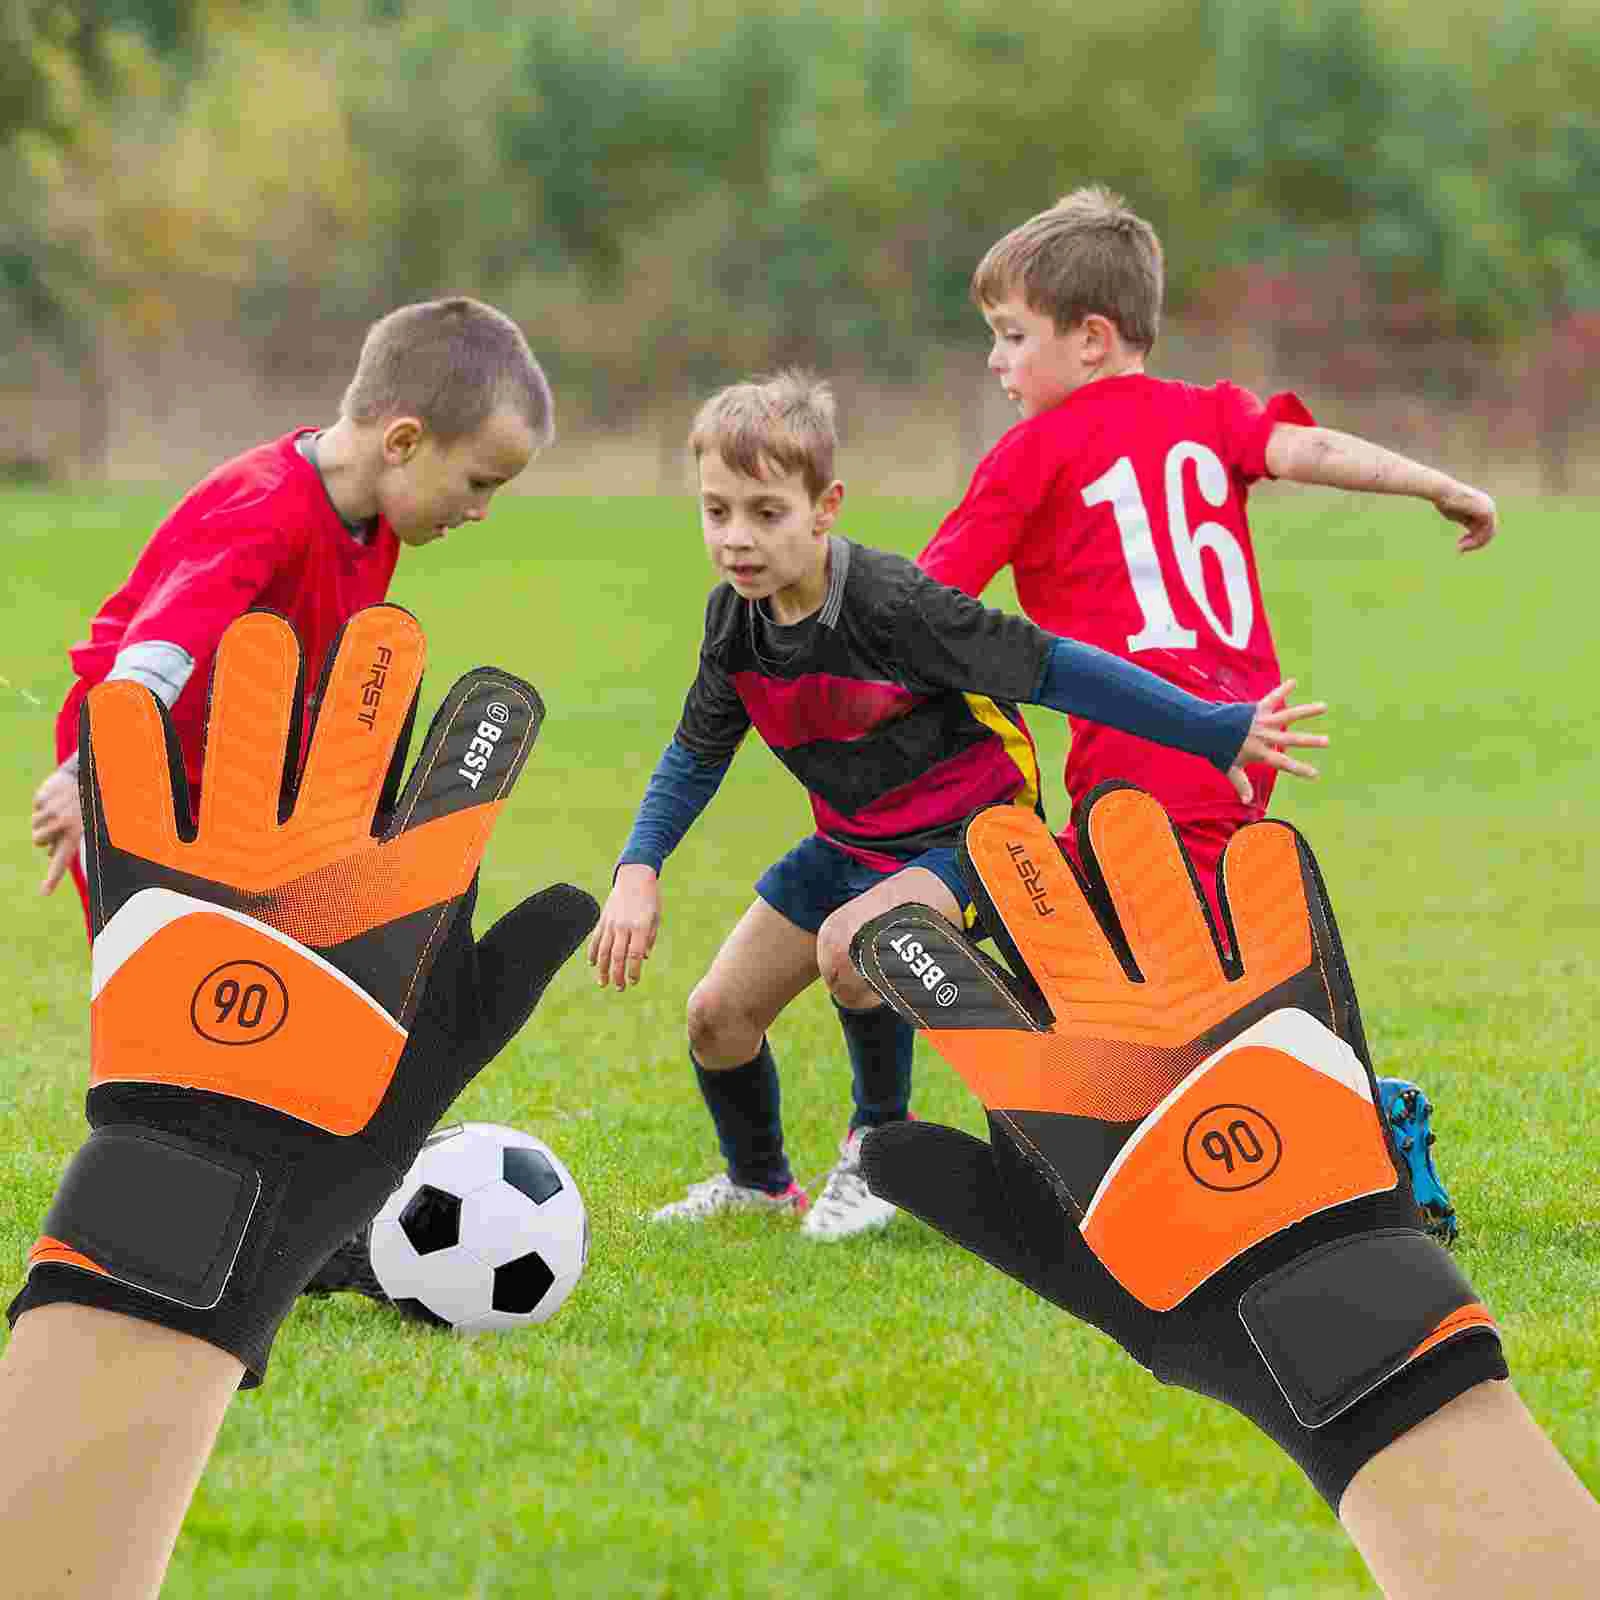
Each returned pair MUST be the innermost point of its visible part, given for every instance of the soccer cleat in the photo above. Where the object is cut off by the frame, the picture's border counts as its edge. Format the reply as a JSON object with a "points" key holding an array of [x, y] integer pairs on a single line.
{"points": [[715, 1195], [846, 1205], [1407, 1109]]}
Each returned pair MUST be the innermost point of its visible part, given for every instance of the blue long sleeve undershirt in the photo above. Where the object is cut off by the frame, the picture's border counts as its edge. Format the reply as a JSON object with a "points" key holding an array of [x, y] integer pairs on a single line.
{"points": [[680, 788], [1079, 680]]}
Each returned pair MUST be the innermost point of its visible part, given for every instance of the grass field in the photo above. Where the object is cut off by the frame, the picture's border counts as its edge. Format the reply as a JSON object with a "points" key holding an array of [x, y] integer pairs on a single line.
{"points": [[731, 1412]]}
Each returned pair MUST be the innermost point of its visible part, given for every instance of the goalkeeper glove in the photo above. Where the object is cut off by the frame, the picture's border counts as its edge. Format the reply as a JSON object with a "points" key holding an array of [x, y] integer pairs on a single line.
{"points": [[1184, 1147], [286, 989]]}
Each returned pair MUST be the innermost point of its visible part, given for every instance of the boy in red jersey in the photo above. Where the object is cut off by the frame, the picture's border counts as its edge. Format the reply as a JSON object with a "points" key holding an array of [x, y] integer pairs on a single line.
{"points": [[447, 404], [1119, 503]]}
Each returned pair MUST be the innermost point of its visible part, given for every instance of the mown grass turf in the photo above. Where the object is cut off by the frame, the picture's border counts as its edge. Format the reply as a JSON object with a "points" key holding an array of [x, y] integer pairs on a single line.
{"points": [[732, 1412]]}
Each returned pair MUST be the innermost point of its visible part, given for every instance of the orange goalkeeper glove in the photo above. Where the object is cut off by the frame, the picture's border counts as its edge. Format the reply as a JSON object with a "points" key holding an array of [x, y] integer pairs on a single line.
{"points": [[286, 989], [1184, 1148]]}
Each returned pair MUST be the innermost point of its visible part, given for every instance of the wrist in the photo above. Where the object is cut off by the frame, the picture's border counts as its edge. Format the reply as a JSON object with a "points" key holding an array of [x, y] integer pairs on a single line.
{"points": [[1237, 723], [1469, 1379], [92, 1337], [634, 872]]}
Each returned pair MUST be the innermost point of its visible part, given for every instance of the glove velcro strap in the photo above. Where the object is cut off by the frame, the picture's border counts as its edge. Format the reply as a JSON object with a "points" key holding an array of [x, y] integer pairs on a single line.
{"points": [[153, 1210], [1334, 1324]]}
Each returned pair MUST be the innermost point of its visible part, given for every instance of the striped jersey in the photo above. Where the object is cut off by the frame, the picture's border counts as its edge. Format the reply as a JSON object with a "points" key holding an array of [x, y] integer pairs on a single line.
{"points": [[894, 704]]}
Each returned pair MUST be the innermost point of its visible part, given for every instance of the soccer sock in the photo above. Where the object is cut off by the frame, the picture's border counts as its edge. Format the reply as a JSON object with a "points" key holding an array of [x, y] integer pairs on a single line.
{"points": [[880, 1045], [744, 1104]]}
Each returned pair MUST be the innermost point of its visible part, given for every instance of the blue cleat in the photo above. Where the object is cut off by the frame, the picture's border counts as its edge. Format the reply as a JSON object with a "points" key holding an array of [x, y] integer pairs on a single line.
{"points": [[1407, 1109]]}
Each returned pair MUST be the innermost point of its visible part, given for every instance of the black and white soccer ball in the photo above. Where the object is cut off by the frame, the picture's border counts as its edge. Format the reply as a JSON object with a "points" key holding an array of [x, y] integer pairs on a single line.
{"points": [[487, 1233]]}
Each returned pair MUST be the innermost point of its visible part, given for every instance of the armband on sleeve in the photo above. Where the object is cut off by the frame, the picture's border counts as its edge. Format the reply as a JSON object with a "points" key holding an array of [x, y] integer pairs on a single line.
{"points": [[164, 669]]}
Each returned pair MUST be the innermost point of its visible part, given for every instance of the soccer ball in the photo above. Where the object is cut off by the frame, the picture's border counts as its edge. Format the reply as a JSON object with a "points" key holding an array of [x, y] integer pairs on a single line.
{"points": [[488, 1232]]}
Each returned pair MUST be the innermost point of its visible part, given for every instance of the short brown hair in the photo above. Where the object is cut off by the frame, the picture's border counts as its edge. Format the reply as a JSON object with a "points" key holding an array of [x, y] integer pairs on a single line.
{"points": [[451, 364], [1087, 255], [785, 421]]}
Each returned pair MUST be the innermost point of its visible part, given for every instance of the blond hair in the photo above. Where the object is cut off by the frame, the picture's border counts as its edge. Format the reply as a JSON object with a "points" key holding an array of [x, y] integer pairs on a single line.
{"points": [[451, 364], [1087, 255], [786, 421]]}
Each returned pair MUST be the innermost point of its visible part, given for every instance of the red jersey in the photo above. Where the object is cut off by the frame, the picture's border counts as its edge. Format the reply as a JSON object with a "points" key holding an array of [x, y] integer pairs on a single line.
{"points": [[1122, 514], [259, 531]]}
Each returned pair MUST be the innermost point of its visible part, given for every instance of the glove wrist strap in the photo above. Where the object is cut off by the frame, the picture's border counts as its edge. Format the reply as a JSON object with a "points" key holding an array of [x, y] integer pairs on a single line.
{"points": [[152, 1210], [1336, 1323]]}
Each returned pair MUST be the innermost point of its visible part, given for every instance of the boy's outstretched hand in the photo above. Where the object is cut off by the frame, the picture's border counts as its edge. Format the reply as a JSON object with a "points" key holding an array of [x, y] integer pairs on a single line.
{"points": [[626, 933], [1474, 510], [1270, 732], [1185, 1148], [57, 822]]}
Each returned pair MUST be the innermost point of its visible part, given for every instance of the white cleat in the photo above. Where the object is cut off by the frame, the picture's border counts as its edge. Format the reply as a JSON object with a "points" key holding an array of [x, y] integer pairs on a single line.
{"points": [[846, 1205], [714, 1196]]}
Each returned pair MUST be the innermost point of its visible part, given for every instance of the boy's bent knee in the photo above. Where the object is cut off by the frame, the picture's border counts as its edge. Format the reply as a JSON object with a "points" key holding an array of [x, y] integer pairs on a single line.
{"points": [[721, 1035], [845, 984]]}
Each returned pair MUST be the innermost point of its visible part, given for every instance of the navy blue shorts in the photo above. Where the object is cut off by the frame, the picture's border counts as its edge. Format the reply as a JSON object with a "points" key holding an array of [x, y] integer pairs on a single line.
{"points": [[810, 883]]}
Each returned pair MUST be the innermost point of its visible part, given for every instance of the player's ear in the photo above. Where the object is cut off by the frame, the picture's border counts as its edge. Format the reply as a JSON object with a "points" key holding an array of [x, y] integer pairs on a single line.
{"points": [[825, 511], [401, 436], [1098, 335]]}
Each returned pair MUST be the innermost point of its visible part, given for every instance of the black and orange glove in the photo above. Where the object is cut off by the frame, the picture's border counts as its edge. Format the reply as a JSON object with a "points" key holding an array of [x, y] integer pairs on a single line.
{"points": [[1184, 1148], [286, 989]]}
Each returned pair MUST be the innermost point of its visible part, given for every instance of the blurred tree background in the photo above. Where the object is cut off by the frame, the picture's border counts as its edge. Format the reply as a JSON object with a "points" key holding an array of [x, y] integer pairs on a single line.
{"points": [[1369, 198]]}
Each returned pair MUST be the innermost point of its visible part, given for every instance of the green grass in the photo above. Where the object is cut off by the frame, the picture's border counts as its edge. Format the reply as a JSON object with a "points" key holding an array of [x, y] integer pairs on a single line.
{"points": [[731, 1412]]}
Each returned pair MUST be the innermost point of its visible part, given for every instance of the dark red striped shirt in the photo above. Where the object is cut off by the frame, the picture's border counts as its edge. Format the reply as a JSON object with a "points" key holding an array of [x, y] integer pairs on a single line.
{"points": [[895, 704]]}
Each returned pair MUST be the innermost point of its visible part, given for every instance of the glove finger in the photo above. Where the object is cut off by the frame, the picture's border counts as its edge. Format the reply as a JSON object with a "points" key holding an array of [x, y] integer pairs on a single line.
{"points": [[937, 979], [474, 751], [477, 996], [369, 685], [949, 1179], [256, 690], [1133, 855], [1273, 895], [131, 782], [1033, 903], [521, 953]]}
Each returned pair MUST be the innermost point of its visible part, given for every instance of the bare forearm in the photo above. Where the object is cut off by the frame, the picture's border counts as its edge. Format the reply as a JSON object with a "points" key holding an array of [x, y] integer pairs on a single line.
{"points": [[1342, 461], [1476, 1500], [106, 1423]]}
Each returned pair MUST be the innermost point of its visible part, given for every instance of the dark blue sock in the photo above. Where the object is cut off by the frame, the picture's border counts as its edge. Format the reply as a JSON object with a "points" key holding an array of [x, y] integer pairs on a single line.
{"points": [[880, 1044], [744, 1104]]}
